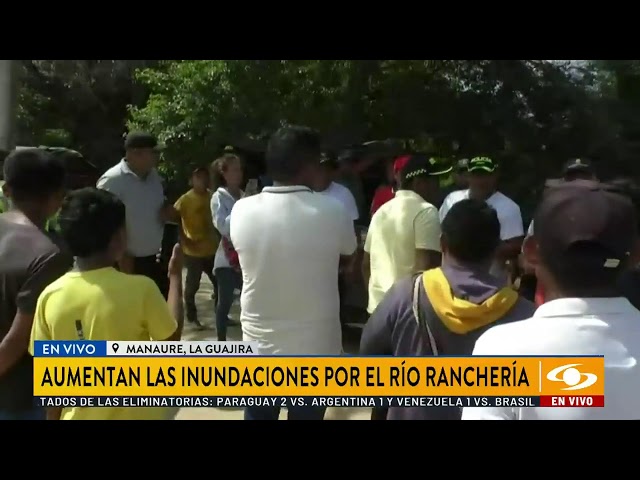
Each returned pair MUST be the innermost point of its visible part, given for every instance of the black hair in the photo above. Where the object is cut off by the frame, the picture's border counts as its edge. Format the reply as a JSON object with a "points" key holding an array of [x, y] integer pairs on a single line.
{"points": [[576, 276], [471, 230], [290, 149], [33, 174], [200, 170], [89, 218]]}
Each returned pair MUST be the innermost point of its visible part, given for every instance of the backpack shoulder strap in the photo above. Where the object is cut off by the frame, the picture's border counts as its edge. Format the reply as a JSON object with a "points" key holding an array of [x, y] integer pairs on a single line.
{"points": [[422, 323]]}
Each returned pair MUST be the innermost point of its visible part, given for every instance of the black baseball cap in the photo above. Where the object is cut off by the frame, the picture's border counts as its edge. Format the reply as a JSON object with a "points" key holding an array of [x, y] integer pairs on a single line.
{"points": [[198, 170], [587, 221], [350, 155], [137, 140], [577, 165], [481, 165], [419, 164]]}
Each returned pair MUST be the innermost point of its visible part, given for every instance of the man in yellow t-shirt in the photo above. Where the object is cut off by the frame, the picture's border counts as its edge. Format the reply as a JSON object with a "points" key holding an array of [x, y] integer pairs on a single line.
{"points": [[95, 301], [404, 234], [198, 237]]}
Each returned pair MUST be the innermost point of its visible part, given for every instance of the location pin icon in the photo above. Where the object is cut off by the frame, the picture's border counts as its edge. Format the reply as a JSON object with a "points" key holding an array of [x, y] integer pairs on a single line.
{"points": [[116, 347]]}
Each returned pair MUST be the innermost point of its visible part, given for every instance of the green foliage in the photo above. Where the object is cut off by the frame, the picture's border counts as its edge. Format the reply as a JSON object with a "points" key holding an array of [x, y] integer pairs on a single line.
{"points": [[529, 114]]}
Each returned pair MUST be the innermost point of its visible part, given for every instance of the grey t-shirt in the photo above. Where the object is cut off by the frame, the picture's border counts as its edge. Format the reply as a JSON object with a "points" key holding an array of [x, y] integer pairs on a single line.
{"points": [[29, 261], [143, 199]]}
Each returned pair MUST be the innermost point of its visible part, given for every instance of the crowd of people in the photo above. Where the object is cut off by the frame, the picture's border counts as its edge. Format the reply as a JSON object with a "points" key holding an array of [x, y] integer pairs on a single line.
{"points": [[437, 263]]}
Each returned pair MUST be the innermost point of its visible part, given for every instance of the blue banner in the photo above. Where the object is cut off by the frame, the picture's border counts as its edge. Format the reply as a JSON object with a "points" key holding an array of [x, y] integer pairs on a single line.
{"points": [[67, 348]]}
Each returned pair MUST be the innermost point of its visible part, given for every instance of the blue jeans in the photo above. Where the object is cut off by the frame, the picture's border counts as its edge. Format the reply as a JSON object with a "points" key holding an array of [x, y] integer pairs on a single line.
{"points": [[36, 413], [228, 280], [294, 413]]}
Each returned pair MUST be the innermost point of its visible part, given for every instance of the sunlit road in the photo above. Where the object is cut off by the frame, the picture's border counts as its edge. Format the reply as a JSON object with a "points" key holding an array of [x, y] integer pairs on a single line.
{"points": [[207, 317]]}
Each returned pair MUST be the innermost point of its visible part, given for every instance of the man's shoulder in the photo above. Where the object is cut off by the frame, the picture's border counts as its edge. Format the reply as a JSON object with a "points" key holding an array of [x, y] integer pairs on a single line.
{"points": [[510, 337], [28, 238], [456, 196], [113, 172], [500, 200], [341, 189]]}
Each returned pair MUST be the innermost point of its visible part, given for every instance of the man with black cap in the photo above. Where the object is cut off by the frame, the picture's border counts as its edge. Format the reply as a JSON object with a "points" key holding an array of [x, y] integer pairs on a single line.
{"points": [[348, 174], [404, 234], [326, 185], [29, 262], [574, 169], [584, 239], [482, 177], [137, 183], [460, 181]]}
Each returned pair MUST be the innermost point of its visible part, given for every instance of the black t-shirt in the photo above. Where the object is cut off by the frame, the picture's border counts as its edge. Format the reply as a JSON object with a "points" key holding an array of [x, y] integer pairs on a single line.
{"points": [[29, 261]]}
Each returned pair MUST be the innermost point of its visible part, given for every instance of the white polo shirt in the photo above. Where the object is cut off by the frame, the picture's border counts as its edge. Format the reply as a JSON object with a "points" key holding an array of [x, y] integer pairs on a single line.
{"points": [[574, 326], [344, 196], [508, 214], [289, 242]]}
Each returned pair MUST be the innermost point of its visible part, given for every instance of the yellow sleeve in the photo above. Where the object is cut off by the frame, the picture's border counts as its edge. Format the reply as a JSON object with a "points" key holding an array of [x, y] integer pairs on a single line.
{"points": [[158, 319], [427, 230], [40, 329], [179, 203]]}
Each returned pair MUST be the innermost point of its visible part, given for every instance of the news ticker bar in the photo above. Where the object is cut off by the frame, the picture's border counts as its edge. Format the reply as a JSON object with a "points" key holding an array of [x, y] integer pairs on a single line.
{"points": [[103, 348], [331, 401]]}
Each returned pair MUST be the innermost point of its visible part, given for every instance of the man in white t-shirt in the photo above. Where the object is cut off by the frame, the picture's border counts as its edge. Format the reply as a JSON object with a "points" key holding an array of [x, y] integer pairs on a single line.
{"points": [[324, 183], [483, 186], [583, 240], [289, 241]]}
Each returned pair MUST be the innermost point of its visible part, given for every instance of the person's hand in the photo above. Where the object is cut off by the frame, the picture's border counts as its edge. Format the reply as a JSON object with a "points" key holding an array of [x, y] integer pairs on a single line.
{"points": [[168, 213], [175, 262]]}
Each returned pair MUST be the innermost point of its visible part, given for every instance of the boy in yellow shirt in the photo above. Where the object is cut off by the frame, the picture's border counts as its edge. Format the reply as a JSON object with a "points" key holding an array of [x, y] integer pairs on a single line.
{"points": [[198, 237], [110, 305]]}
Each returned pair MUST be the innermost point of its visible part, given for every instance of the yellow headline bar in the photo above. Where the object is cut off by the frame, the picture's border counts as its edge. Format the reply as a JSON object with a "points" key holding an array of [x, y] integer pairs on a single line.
{"points": [[318, 376]]}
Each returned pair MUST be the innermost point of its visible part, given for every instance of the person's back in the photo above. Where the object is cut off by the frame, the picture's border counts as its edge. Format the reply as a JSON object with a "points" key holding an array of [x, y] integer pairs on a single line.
{"points": [[456, 303], [95, 301], [579, 262], [290, 293], [289, 242], [392, 236], [113, 306], [404, 234]]}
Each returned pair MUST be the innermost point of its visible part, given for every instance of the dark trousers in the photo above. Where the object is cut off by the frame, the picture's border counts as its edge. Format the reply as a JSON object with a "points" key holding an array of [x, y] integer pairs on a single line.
{"points": [[228, 280], [195, 267], [379, 413], [36, 413], [150, 267], [294, 413]]}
